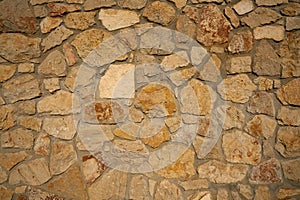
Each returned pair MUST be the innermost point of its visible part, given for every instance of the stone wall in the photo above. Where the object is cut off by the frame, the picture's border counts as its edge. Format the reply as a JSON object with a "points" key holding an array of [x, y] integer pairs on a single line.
{"points": [[205, 109]]}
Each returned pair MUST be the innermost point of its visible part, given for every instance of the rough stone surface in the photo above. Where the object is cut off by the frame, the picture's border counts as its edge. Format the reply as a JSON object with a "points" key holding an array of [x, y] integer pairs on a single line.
{"points": [[42, 145], [241, 148], [34, 193], [261, 103], [52, 84], [235, 21], [290, 93], [62, 157], [54, 64], [9, 160], [69, 54], [159, 12], [94, 4], [32, 123], [284, 193], [132, 4], [245, 190], [270, 2], [291, 170], [58, 9], [292, 9], [156, 140], [91, 168], [7, 117], [35, 172], [287, 143], [264, 83], [17, 138], [261, 16], [194, 184], [236, 88], [234, 117], [6, 72], [239, 64], [167, 190], [213, 27], [269, 32], [241, 42], [60, 127], [172, 62], [243, 7], [26, 67], [220, 172], [139, 188], [50, 23], [16, 47], [266, 61], [262, 192], [6, 193], [80, 20], [289, 116], [261, 126]]}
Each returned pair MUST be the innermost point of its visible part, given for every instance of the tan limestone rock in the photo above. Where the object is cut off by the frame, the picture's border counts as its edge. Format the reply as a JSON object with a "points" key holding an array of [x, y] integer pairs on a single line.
{"points": [[291, 9], [157, 139], [60, 127], [6, 193], [69, 54], [32, 123], [269, 32], [42, 144], [94, 4], [34, 193], [132, 4], [290, 93], [291, 170], [288, 141], [54, 64], [245, 190], [9, 160], [261, 103], [26, 67], [6, 72], [261, 126], [284, 193], [58, 9], [17, 138], [235, 21], [179, 3], [91, 168], [167, 190], [3, 175], [264, 83], [289, 116], [262, 192], [239, 64], [270, 2], [241, 42], [243, 7], [80, 20], [194, 184], [50, 23], [234, 117], [51, 84], [159, 12], [7, 117], [71, 78], [174, 61], [26, 107], [139, 188], [132, 146]]}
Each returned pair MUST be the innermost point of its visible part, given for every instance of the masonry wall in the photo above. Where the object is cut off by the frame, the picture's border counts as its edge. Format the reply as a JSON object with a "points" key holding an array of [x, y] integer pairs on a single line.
{"points": [[144, 99]]}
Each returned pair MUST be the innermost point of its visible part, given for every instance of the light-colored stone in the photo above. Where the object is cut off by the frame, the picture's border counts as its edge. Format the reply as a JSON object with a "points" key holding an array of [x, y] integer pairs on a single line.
{"points": [[192, 13], [9, 160], [71, 78], [7, 117], [42, 145], [245, 190], [261, 16], [34, 172], [262, 192], [157, 139], [50, 23], [266, 172], [32, 123], [16, 47], [69, 54], [291, 9], [194, 184], [167, 190], [270, 2], [111, 185], [264, 83], [291, 170], [26, 107], [262, 103], [132, 146], [37, 2], [115, 19], [241, 42], [241, 64], [56, 37], [69, 185], [135, 115], [34, 193], [288, 141], [159, 12], [173, 123], [289, 116], [284, 193], [6, 72], [213, 27], [75, 1], [87, 40], [290, 93], [132, 4], [40, 11], [182, 168], [235, 21], [220, 172], [234, 117], [17, 138], [211, 69], [62, 156], [261, 126], [94, 4], [172, 62], [60, 127], [21, 88], [3, 175], [52, 84], [243, 7], [6, 193], [80, 20], [201, 144], [91, 168], [58, 9], [239, 147], [179, 3], [122, 134], [269, 32], [182, 75], [236, 88], [139, 188], [53, 65], [26, 68], [222, 194], [203, 195], [292, 23], [58, 103]]}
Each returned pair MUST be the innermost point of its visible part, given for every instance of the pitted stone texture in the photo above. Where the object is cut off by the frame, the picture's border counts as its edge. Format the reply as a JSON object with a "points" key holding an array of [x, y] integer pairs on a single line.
{"points": [[266, 172], [53, 65], [264, 83], [50, 23], [261, 126], [94, 4], [6, 72], [220, 172], [9, 160], [86, 41], [132, 146], [34, 172], [192, 13], [241, 148], [17, 138], [179, 3], [40, 11], [139, 188], [291, 170], [284, 193], [92, 168], [288, 141], [69, 185], [266, 61], [213, 27], [132, 4], [270, 2], [243, 7], [42, 145], [211, 69], [172, 62], [69, 54], [58, 9], [292, 9], [159, 12], [60, 127], [261, 103], [26, 107], [111, 185], [26, 67], [34, 193], [236, 88], [16, 47], [59, 103], [80, 20], [289, 116], [182, 168], [235, 21], [241, 64], [234, 117], [62, 156], [241, 42], [167, 190], [261, 16], [269, 32], [17, 16], [290, 93], [245, 190]]}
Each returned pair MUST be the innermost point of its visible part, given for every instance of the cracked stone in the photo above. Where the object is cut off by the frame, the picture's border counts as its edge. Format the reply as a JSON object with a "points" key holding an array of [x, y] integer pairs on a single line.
{"points": [[80, 20], [236, 88], [292, 23], [288, 141], [235, 21], [159, 12], [53, 65], [290, 93], [71, 78], [194, 184], [7, 117], [167, 190], [261, 126], [241, 64], [243, 7], [62, 156], [9, 160], [3, 175], [6, 193], [42, 145], [241, 42], [60, 127], [17, 138], [289, 116], [269, 32], [264, 83], [16, 47], [50, 23], [94, 4], [261, 103], [291, 170], [132, 4], [213, 27], [239, 147], [6, 72], [245, 190], [58, 9]]}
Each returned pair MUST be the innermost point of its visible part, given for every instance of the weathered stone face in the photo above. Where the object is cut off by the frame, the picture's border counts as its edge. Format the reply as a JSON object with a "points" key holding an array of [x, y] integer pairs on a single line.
{"points": [[159, 12]]}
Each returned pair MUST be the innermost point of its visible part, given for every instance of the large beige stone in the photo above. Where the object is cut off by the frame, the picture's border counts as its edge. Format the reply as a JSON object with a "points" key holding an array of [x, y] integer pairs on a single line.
{"points": [[174, 61], [62, 156], [32, 123], [290, 93], [261, 126], [284, 193], [291, 170], [115, 19], [7, 117], [80, 20], [3, 175], [58, 9], [50, 23], [9, 160], [94, 4], [60, 127], [17, 138], [243, 7], [53, 65], [269, 32], [6, 72], [239, 147], [289, 116], [167, 190], [132, 4], [234, 117], [261, 16], [235, 21], [69, 54], [288, 141], [262, 192], [34, 193], [194, 184], [132, 146], [157, 139], [241, 42], [139, 188], [92, 168], [213, 27], [16, 47], [34, 172], [220, 172], [111, 185], [236, 88], [270, 2], [6, 193], [240, 64], [291, 9], [159, 12], [261, 103]]}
